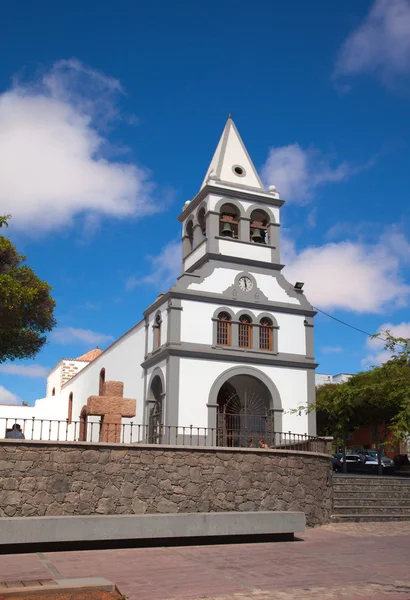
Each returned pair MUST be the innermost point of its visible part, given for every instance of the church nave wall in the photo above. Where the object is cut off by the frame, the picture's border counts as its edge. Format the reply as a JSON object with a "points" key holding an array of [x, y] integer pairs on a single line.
{"points": [[122, 362]]}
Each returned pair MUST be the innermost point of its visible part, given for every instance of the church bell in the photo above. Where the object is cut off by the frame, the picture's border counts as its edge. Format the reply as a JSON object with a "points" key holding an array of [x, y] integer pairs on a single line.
{"points": [[257, 236], [227, 230]]}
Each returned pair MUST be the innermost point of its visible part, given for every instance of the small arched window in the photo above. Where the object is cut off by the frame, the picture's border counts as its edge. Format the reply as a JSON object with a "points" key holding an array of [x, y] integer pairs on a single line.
{"points": [[202, 221], [53, 392], [223, 333], [190, 234], [259, 227], [245, 332], [70, 407], [157, 332], [101, 383], [266, 334], [229, 221]]}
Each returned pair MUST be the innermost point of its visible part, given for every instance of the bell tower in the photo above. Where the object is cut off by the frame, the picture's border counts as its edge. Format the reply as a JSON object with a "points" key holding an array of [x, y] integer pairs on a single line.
{"points": [[233, 217]]}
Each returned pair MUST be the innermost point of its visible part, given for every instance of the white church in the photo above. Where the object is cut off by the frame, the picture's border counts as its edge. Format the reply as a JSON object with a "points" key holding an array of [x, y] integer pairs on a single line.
{"points": [[228, 349]]}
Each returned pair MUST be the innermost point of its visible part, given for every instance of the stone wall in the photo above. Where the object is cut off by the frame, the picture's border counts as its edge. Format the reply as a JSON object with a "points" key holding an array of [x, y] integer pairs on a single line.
{"points": [[66, 478]]}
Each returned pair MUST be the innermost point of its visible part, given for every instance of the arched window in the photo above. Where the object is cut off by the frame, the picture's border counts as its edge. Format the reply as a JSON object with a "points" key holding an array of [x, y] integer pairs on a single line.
{"points": [[70, 407], [245, 332], [229, 221], [266, 334], [53, 392], [259, 227], [223, 332], [157, 332], [202, 221], [190, 234], [101, 383]]}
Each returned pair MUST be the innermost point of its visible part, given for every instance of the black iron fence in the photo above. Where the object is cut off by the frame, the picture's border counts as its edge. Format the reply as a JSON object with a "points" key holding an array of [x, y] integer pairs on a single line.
{"points": [[231, 434]]}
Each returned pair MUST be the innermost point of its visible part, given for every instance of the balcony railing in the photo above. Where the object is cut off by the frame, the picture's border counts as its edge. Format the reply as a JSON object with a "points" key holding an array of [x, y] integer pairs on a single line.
{"points": [[134, 433]]}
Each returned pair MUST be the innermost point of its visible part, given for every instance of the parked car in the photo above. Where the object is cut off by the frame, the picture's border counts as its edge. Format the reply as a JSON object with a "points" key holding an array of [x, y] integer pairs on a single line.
{"points": [[364, 463], [371, 457], [354, 462], [401, 459], [372, 464]]}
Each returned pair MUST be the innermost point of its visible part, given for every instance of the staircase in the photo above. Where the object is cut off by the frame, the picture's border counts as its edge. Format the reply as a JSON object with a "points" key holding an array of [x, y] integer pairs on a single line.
{"points": [[370, 498]]}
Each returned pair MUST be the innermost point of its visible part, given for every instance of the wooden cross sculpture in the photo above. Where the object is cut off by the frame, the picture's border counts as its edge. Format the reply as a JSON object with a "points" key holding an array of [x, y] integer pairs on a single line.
{"points": [[111, 407]]}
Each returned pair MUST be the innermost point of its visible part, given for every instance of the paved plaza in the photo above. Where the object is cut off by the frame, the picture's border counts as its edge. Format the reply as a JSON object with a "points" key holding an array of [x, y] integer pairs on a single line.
{"points": [[368, 561]]}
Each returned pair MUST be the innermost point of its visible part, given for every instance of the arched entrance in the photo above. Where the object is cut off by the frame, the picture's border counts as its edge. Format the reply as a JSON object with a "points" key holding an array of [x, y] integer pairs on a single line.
{"points": [[155, 408], [247, 406]]}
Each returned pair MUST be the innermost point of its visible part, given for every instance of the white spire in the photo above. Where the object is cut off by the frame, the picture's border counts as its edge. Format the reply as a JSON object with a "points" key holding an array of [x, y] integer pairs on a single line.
{"points": [[231, 163]]}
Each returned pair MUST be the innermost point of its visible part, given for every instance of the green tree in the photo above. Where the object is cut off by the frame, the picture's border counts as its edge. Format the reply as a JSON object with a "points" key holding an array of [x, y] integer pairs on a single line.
{"points": [[336, 409], [26, 306], [397, 383], [378, 398]]}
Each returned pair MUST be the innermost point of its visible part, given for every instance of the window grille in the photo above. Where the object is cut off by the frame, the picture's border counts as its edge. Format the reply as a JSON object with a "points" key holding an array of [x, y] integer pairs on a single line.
{"points": [[223, 336], [266, 334], [245, 332]]}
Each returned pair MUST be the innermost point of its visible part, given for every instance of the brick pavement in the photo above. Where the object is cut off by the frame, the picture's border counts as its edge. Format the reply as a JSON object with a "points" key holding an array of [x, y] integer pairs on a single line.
{"points": [[348, 560]]}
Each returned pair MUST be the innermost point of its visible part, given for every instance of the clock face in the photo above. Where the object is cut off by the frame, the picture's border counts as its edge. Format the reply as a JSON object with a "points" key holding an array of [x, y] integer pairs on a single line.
{"points": [[245, 284]]}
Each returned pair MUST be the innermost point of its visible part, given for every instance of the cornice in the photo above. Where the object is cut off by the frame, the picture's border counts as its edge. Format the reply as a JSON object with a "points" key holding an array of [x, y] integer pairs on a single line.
{"points": [[242, 194], [229, 354]]}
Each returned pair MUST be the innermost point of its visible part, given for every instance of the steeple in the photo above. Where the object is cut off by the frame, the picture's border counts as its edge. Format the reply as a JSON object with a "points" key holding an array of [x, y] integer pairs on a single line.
{"points": [[231, 163]]}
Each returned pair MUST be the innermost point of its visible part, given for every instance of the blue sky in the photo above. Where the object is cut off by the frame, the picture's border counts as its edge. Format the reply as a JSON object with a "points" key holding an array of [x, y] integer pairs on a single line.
{"points": [[110, 113]]}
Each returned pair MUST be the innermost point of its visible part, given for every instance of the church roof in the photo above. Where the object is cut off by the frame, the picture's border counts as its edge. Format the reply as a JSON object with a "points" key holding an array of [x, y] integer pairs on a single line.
{"points": [[90, 355], [231, 163]]}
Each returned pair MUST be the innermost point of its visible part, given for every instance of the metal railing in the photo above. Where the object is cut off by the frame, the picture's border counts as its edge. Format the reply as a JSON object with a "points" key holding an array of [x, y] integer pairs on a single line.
{"points": [[95, 430]]}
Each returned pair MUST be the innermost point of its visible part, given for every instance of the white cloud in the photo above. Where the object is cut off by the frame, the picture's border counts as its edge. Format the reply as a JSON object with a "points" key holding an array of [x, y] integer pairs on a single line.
{"points": [[377, 355], [297, 173], [7, 397], [165, 268], [355, 276], [53, 153], [331, 349], [381, 44], [24, 370], [69, 335]]}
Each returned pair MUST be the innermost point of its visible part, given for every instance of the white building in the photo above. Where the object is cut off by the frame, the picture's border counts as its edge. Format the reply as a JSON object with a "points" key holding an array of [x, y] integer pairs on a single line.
{"points": [[324, 378], [230, 342]]}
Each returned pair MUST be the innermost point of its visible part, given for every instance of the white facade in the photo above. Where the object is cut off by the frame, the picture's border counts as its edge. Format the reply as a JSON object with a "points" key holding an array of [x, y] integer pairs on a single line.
{"points": [[324, 378], [232, 339]]}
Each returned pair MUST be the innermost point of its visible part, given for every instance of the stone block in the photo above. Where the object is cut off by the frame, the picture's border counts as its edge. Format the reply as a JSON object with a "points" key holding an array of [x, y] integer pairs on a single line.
{"points": [[58, 483], [10, 497]]}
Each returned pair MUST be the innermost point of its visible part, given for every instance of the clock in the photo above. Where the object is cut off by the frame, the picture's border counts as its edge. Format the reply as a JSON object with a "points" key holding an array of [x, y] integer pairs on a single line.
{"points": [[245, 284]]}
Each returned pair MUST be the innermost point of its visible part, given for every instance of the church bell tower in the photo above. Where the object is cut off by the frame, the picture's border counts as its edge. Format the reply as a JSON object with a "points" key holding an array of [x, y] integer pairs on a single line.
{"points": [[236, 218]]}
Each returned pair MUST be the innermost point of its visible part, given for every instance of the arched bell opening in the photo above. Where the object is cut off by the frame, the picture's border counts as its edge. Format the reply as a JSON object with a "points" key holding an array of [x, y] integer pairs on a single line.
{"points": [[229, 221], [259, 227], [202, 222], [244, 413], [190, 235]]}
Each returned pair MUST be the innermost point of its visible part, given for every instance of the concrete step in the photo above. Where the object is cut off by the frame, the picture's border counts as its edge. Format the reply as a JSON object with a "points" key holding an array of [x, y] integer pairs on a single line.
{"points": [[344, 501], [361, 489], [371, 496], [342, 509], [370, 480], [368, 518]]}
